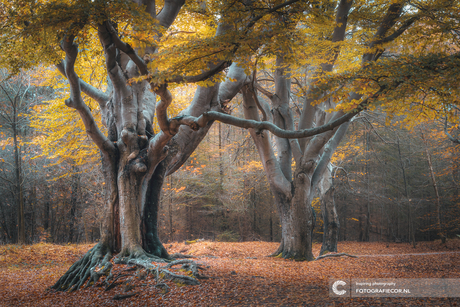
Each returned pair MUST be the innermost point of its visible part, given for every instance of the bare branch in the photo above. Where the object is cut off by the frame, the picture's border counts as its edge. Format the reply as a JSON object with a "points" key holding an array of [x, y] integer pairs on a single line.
{"points": [[269, 11], [254, 94], [302, 88], [327, 153], [195, 123], [75, 101], [401, 29], [88, 89], [126, 48], [6, 115], [454, 140], [260, 126], [335, 255], [389, 20], [264, 91], [203, 76], [162, 107], [7, 180]]}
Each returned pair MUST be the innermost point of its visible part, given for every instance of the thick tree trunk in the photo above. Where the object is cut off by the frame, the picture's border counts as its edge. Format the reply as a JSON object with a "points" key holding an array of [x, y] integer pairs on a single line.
{"points": [[151, 241], [110, 228], [292, 198], [129, 189], [297, 219], [297, 227]]}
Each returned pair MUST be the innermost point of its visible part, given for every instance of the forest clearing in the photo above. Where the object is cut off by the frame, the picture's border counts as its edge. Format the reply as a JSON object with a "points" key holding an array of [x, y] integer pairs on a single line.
{"points": [[240, 274]]}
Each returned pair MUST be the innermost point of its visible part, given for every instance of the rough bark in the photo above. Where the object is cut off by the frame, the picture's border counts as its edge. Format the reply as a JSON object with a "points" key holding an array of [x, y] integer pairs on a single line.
{"points": [[292, 199], [134, 160], [151, 242]]}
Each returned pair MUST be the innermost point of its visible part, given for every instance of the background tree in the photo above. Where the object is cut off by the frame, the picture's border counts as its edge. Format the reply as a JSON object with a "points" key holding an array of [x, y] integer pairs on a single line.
{"points": [[396, 186], [18, 96]]}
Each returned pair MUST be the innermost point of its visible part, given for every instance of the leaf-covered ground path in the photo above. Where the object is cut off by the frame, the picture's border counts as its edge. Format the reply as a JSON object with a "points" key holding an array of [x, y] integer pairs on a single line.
{"points": [[241, 274]]}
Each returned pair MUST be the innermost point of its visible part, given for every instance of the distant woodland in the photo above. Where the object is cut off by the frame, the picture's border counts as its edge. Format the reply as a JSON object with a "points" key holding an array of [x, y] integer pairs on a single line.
{"points": [[388, 181]]}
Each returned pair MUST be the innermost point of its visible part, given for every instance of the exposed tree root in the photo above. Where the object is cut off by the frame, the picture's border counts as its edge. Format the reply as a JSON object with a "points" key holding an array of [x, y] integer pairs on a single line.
{"points": [[137, 254], [164, 287], [335, 255], [179, 255], [189, 266], [279, 251], [153, 265], [114, 282], [94, 264]]}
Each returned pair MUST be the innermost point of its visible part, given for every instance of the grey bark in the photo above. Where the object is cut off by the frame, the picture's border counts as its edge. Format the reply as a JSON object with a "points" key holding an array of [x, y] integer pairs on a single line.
{"points": [[331, 222], [315, 152]]}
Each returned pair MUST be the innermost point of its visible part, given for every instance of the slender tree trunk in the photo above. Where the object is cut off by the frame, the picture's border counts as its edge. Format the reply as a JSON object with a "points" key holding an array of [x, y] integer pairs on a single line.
{"points": [[435, 187], [330, 222], [170, 212], [74, 194], [406, 192], [33, 208], [368, 205], [271, 227], [344, 228], [19, 187], [361, 229], [221, 162], [46, 214], [4, 224]]}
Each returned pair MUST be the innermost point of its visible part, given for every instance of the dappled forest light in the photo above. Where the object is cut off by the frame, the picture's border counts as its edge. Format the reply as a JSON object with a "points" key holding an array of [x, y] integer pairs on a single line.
{"points": [[175, 150]]}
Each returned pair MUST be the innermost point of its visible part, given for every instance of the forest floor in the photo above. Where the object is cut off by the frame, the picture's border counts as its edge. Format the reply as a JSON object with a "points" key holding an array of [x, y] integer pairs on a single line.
{"points": [[241, 275]]}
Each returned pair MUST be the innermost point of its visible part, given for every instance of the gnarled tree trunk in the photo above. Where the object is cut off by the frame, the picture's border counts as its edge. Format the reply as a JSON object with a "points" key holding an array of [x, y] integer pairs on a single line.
{"points": [[135, 160]]}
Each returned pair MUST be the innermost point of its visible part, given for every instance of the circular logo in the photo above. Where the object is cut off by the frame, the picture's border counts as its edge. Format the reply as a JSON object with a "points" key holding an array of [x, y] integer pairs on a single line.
{"points": [[338, 283]]}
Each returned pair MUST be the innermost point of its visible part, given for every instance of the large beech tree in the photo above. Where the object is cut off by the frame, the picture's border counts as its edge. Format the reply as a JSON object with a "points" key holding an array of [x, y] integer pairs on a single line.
{"points": [[373, 82], [142, 59], [294, 193]]}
